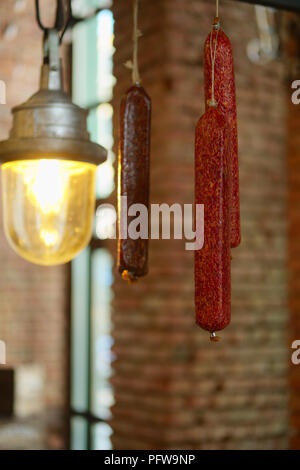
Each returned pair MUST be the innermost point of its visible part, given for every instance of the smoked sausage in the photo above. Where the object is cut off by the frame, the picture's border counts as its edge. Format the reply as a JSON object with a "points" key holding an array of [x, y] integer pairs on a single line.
{"points": [[213, 189], [225, 97], [133, 176]]}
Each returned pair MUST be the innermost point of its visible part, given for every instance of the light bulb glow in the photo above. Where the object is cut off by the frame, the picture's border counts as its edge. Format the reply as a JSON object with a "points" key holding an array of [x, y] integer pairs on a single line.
{"points": [[48, 208], [39, 180], [49, 238]]}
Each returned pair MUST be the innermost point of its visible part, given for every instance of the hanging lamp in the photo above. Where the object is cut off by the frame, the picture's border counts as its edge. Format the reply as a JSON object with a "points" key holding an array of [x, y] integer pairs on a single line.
{"points": [[49, 167]]}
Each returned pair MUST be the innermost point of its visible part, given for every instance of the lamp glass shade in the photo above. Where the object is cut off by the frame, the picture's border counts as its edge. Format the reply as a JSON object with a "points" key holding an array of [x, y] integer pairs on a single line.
{"points": [[48, 208]]}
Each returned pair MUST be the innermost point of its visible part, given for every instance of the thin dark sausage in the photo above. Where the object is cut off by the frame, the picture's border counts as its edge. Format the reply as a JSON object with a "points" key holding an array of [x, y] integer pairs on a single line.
{"points": [[134, 161]]}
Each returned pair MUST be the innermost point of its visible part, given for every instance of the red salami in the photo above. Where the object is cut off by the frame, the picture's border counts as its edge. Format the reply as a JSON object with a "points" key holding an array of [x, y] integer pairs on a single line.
{"points": [[213, 189], [225, 96], [134, 159]]}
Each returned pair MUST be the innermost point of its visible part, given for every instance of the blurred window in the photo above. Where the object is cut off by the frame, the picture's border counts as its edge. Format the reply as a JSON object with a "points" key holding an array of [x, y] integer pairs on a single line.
{"points": [[91, 395]]}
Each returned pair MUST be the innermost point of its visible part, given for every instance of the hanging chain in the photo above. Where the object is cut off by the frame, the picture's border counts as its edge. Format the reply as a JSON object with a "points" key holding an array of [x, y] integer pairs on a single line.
{"points": [[61, 23]]}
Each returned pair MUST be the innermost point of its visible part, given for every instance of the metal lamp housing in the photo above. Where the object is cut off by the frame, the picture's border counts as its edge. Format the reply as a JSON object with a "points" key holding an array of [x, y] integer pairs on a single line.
{"points": [[48, 172], [49, 124]]}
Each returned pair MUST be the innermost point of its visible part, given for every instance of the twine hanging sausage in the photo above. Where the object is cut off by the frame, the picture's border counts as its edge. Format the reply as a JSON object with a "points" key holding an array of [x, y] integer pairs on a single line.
{"points": [[134, 165], [213, 189], [225, 97]]}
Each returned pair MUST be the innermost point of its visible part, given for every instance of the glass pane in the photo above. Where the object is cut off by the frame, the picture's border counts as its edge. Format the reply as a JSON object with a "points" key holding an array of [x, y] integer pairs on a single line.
{"points": [[101, 437], [100, 128], [105, 180], [85, 63], [93, 50], [83, 8], [79, 433], [101, 393], [92, 124], [93, 84], [100, 125], [105, 222], [80, 331], [105, 34]]}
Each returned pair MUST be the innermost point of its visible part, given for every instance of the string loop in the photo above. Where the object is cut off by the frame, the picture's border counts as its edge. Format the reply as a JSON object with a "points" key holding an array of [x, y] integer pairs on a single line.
{"points": [[216, 27], [212, 101], [133, 65], [136, 34]]}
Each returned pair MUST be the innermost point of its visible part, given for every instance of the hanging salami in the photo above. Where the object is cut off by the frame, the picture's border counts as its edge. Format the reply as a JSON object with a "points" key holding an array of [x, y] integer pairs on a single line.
{"points": [[225, 97], [133, 167], [134, 159], [213, 189]]}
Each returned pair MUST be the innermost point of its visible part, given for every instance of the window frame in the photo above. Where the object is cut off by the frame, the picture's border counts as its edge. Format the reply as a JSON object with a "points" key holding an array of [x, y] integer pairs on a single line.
{"points": [[95, 244]]}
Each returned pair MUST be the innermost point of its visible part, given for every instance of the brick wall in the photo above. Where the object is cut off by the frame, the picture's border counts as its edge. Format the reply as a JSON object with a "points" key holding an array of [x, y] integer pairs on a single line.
{"points": [[292, 54], [173, 388], [294, 260], [32, 298]]}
